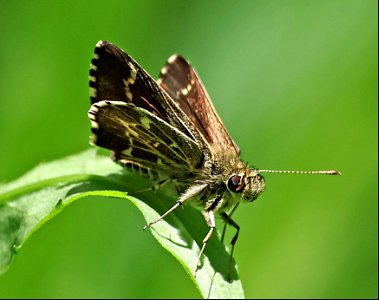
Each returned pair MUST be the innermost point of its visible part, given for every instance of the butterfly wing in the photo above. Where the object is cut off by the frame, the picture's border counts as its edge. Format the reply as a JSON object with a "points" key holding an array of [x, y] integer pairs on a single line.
{"points": [[181, 82], [134, 117], [114, 75], [139, 138]]}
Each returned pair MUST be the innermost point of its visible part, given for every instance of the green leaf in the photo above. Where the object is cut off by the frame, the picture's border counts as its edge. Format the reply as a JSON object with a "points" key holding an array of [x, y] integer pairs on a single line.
{"points": [[27, 203]]}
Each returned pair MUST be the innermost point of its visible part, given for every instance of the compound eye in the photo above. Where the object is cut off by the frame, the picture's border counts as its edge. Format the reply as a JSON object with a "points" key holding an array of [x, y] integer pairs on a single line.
{"points": [[236, 183]]}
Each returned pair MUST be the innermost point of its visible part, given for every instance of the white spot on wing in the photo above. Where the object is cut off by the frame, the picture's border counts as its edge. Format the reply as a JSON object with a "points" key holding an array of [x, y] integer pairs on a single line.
{"points": [[172, 58], [102, 103], [99, 43], [133, 72], [92, 92], [129, 95], [93, 67], [92, 139], [164, 70], [94, 124], [130, 80], [94, 109]]}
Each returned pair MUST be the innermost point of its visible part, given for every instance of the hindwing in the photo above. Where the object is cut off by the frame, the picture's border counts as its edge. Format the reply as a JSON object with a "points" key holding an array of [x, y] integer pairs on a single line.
{"points": [[180, 80]]}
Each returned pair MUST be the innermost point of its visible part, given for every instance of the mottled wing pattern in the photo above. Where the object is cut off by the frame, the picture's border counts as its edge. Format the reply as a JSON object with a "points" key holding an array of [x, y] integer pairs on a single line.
{"points": [[141, 139], [114, 75], [180, 80]]}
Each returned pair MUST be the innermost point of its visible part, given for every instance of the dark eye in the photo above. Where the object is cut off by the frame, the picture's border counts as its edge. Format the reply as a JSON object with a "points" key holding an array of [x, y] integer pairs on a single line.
{"points": [[236, 183]]}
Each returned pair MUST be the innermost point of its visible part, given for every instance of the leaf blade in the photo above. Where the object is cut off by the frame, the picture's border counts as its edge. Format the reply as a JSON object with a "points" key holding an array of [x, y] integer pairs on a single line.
{"points": [[29, 202]]}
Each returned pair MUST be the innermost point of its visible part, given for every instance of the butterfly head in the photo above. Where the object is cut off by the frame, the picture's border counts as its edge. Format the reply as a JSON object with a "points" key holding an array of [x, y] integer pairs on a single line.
{"points": [[247, 184]]}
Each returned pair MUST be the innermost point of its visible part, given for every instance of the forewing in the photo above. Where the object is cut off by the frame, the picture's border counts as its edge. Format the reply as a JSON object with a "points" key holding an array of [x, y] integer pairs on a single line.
{"points": [[116, 76], [180, 80], [139, 137]]}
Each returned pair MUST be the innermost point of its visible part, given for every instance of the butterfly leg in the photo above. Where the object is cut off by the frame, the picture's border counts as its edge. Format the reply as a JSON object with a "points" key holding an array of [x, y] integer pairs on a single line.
{"points": [[226, 224], [178, 203], [210, 218], [229, 221], [187, 195]]}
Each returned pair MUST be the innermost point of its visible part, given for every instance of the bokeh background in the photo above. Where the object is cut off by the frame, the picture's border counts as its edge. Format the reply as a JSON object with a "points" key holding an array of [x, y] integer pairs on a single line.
{"points": [[295, 82]]}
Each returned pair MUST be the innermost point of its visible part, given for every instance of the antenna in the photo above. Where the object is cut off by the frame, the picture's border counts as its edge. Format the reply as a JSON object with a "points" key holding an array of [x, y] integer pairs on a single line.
{"points": [[324, 172]]}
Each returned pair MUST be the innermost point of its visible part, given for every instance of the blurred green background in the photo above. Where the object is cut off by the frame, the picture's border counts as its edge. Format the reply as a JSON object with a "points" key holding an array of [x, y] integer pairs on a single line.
{"points": [[295, 82]]}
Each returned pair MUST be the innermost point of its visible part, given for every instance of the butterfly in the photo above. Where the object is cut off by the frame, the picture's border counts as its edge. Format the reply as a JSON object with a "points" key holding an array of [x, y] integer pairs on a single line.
{"points": [[169, 131]]}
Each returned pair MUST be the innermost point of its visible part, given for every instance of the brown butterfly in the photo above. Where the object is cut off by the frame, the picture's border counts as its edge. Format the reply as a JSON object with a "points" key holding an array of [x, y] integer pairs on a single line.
{"points": [[169, 130]]}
